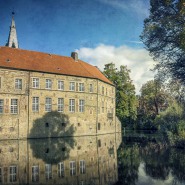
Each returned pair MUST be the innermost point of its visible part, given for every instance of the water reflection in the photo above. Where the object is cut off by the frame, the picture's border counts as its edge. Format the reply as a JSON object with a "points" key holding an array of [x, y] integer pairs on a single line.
{"points": [[73, 160], [150, 162]]}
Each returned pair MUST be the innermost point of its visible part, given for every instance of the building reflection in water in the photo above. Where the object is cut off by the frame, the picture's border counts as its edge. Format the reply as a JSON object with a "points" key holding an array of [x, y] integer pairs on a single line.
{"points": [[75, 160]]}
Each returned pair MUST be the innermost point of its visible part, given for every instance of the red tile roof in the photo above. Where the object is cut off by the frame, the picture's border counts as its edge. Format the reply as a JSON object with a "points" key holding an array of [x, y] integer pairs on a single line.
{"points": [[49, 63]]}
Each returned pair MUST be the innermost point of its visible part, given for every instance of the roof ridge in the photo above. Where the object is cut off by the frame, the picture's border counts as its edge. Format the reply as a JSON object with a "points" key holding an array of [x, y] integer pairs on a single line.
{"points": [[41, 52]]}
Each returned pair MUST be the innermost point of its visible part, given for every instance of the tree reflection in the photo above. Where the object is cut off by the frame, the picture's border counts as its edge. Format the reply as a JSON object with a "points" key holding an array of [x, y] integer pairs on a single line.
{"points": [[156, 161], [52, 126], [160, 161], [128, 157], [178, 164], [52, 150]]}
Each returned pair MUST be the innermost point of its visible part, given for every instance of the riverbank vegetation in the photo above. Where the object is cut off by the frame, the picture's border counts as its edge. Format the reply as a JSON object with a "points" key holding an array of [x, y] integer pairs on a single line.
{"points": [[161, 103]]}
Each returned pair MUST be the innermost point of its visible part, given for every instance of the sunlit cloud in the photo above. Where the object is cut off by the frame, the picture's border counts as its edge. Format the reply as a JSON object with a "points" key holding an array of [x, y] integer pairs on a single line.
{"points": [[137, 60]]}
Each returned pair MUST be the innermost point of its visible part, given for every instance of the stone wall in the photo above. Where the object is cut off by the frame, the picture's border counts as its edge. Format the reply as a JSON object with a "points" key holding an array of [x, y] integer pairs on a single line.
{"points": [[98, 116]]}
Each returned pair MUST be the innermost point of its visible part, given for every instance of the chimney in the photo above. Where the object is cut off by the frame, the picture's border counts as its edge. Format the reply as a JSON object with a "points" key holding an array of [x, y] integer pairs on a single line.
{"points": [[74, 55]]}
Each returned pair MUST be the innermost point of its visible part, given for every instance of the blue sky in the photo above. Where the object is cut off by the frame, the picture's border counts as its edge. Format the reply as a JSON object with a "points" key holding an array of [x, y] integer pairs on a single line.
{"points": [[87, 26]]}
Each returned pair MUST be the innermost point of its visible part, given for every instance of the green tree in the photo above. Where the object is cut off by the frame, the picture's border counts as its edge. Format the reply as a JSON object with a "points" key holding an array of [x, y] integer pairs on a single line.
{"points": [[153, 97], [153, 100], [164, 36], [125, 92]]}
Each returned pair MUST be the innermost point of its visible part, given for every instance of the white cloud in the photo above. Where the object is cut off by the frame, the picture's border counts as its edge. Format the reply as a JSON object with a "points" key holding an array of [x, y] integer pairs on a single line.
{"points": [[138, 60]]}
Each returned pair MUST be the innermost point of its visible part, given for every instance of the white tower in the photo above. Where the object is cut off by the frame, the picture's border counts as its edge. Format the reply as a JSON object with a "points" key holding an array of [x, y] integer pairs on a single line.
{"points": [[12, 39]]}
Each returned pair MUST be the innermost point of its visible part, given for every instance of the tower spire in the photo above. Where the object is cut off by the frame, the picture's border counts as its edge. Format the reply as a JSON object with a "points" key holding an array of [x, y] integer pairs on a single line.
{"points": [[12, 39]]}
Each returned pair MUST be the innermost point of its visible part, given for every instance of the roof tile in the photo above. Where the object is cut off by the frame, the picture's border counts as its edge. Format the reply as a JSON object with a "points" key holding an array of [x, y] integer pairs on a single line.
{"points": [[43, 62]]}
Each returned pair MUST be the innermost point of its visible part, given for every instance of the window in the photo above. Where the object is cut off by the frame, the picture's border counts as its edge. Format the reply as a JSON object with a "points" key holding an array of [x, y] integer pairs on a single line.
{"points": [[102, 90], [35, 104], [1, 106], [99, 126], [72, 86], [60, 85], [60, 104], [72, 168], [99, 143], [18, 83], [61, 169], [35, 173], [71, 105], [48, 105], [81, 87], [13, 173], [48, 83], [0, 82], [82, 166], [102, 107], [90, 88], [14, 106], [35, 82], [48, 171], [81, 105]]}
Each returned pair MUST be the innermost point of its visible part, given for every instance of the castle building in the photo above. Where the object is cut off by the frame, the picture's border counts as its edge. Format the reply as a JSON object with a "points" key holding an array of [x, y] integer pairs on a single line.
{"points": [[47, 95]]}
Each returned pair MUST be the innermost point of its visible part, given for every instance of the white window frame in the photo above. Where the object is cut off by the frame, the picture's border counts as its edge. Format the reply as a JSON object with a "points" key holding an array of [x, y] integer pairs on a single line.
{"points": [[48, 104], [14, 106], [81, 87], [13, 173], [35, 83], [82, 166], [72, 86], [35, 173], [1, 106], [18, 83], [60, 85], [71, 105], [61, 169], [72, 167], [91, 88], [48, 83], [48, 171], [35, 104], [81, 105], [60, 104]]}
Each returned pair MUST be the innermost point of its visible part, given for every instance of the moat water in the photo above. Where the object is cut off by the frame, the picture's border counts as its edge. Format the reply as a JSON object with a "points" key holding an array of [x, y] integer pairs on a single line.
{"points": [[92, 160], [145, 159]]}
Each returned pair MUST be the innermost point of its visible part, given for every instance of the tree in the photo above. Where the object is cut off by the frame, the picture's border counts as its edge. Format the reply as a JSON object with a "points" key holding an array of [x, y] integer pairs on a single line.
{"points": [[153, 99], [125, 92], [164, 36]]}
